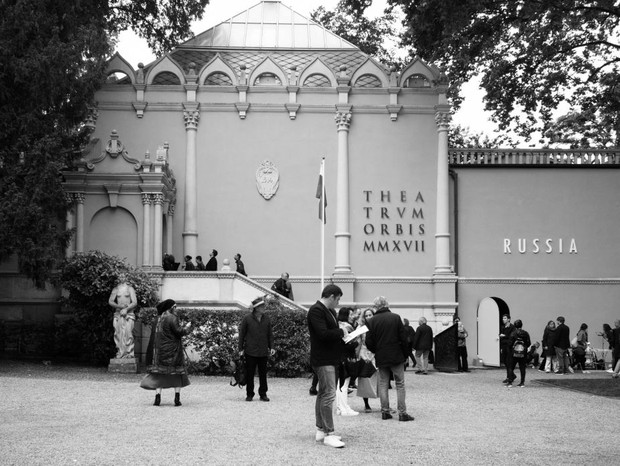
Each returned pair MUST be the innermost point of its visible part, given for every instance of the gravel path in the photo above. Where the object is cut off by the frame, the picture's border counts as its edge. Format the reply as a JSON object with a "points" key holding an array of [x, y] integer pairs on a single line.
{"points": [[63, 415]]}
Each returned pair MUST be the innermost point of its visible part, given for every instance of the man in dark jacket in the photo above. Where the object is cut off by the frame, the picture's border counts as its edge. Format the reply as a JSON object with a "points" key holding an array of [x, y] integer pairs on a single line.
{"points": [[256, 342], [505, 353], [326, 348], [562, 343], [423, 344], [387, 339], [519, 358]]}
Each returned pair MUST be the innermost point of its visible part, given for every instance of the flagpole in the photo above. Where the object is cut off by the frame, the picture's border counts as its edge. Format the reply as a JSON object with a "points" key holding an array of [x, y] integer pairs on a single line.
{"points": [[323, 226]]}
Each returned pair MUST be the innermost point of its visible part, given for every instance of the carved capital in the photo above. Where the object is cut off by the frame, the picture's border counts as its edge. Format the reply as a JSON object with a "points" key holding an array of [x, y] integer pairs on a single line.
{"points": [[443, 120], [343, 120], [79, 198], [158, 199], [146, 199], [192, 117], [171, 208]]}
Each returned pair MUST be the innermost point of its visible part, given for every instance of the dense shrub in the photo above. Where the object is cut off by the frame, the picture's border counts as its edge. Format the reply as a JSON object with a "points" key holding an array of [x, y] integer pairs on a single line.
{"points": [[215, 337], [90, 278]]}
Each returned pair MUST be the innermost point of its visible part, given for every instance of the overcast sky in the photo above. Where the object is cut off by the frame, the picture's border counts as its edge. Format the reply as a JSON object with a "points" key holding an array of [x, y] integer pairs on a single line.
{"points": [[134, 50]]}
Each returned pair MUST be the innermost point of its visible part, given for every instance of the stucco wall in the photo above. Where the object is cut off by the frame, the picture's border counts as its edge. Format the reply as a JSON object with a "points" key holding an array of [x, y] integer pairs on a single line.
{"points": [[528, 203]]}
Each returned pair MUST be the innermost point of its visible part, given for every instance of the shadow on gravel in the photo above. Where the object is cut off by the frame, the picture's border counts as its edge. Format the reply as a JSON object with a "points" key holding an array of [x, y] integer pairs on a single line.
{"points": [[600, 387]]}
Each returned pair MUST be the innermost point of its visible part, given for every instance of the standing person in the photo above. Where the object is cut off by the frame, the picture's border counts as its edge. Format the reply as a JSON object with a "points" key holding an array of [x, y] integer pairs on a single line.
{"points": [[615, 344], [423, 344], [199, 264], [347, 362], [326, 347], [387, 339], [410, 334], [256, 343], [123, 300], [189, 265], [240, 266], [367, 387], [283, 286], [548, 344], [168, 368], [519, 342], [212, 263], [579, 351], [461, 346], [504, 346], [562, 343]]}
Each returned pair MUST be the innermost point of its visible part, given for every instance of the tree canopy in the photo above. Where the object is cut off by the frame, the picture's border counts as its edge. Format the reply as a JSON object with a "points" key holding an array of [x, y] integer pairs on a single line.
{"points": [[53, 60], [370, 35], [535, 57]]}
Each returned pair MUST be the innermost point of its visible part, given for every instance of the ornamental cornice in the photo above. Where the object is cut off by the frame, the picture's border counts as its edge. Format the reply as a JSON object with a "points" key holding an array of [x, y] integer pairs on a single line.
{"points": [[539, 281]]}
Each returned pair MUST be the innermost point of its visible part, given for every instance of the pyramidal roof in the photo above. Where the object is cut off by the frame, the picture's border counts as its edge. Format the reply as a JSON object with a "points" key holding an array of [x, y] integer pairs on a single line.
{"points": [[270, 25]]}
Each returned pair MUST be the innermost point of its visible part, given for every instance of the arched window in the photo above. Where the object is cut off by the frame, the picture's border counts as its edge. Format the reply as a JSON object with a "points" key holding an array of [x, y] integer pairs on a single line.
{"points": [[317, 80], [417, 80], [118, 77], [267, 79], [368, 80], [166, 78], [218, 79]]}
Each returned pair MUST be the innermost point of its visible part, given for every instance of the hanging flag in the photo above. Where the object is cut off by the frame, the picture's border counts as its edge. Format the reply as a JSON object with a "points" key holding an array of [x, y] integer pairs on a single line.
{"points": [[321, 194]]}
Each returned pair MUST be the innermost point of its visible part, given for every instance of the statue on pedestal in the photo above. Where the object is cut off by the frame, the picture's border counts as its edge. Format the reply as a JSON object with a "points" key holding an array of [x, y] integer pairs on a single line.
{"points": [[123, 300]]}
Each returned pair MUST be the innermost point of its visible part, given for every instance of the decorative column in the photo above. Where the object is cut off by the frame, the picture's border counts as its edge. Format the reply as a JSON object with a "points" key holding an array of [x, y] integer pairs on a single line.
{"points": [[70, 223], [342, 235], [190, 233], [146, 231], [79, 221], [158, 230], [169, 220], [442, 231]]}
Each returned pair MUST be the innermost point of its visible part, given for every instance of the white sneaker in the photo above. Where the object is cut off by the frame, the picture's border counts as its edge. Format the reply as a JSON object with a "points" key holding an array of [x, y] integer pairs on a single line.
{"points": [[610, 370], [349, 412], [320, 436], [571, 370], [333, 441]]}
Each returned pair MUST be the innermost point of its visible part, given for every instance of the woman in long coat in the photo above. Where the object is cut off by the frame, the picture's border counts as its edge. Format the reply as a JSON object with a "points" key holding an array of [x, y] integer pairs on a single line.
{"points": [[168, 368]]}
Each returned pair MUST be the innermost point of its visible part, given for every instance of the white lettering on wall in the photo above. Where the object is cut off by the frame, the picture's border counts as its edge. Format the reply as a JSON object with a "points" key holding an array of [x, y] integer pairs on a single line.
{"points": [[551, 245]]}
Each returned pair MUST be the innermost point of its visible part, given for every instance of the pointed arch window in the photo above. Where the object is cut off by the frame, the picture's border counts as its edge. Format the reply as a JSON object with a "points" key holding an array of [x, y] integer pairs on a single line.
{"points": [[368, 80], [267, 79], [166, 78], [317, 80], [417, 80], [218, 79], [118, 77]]}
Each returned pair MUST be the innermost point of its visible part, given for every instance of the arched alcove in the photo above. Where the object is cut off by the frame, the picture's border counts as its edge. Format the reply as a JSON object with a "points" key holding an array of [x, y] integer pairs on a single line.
{"points": [[121, 241]]}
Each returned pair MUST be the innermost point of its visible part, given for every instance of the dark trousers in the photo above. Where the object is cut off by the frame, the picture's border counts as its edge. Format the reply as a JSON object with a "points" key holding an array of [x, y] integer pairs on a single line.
{"points": [[522, 362], [510, 373], [461, 352], [251, 362]]}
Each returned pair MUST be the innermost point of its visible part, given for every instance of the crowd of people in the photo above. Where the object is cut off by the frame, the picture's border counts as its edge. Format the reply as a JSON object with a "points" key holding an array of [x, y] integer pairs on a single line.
{"points": [[365, 349], [560, 354], [169, 264]]}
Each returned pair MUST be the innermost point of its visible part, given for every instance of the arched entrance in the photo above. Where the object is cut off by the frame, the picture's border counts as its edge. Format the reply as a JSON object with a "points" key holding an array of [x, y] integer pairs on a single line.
{"points": [[489, 318]]}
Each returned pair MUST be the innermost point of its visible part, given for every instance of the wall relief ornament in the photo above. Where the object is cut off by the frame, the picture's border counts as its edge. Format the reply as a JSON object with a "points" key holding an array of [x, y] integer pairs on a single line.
{"points": [[267, 179]]}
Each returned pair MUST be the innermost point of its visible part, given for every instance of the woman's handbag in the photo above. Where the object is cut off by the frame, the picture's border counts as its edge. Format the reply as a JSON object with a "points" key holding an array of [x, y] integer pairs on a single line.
{"points": [[367, 387], [366, 368]]}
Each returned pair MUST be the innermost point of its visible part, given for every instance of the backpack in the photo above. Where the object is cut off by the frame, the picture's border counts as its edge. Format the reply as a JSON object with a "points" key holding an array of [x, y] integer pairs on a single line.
{"points": [[238, 373], [518, 349]]}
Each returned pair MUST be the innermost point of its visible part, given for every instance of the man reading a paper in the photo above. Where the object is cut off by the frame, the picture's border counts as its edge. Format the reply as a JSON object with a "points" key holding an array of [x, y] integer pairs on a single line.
{"points": [[326, 348], [387, 338]]}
